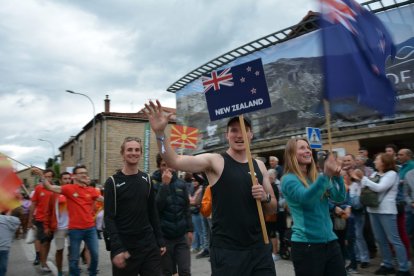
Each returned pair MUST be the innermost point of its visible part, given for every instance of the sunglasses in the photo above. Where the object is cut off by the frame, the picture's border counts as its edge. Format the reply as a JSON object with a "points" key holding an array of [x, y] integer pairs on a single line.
{"points": [[129, 139]]}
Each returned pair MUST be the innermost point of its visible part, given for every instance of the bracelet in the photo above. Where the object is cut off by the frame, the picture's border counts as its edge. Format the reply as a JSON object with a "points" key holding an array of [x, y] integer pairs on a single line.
{"points": [[161, 139]]}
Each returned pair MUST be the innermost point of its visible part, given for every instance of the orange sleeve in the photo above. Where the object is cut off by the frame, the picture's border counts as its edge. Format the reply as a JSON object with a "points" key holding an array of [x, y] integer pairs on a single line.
{"points": [[49, 211], [35, 196], [206, 203]]}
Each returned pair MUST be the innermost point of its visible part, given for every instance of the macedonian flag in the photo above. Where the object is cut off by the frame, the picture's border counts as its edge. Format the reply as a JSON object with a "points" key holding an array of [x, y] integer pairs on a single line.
{"points": [[184, 137], [9, 185]]}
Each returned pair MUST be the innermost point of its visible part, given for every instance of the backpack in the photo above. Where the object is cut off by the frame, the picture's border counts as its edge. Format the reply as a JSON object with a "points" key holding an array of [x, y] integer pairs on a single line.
{"points": [[105, 231]]}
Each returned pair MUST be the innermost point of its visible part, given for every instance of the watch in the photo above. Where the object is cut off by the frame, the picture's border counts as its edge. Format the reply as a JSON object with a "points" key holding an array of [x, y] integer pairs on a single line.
{"points": [[269, 198]]}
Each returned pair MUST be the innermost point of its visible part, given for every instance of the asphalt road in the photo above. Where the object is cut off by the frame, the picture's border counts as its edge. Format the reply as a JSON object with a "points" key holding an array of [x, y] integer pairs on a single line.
{"points": [[22, 255]]}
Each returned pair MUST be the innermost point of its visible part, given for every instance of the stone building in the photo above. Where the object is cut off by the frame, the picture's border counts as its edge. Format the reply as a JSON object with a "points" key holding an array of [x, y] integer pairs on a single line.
{"points": [[111, 129]]}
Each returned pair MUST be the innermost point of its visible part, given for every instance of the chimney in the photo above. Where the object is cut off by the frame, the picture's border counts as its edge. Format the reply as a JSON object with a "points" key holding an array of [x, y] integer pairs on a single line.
{"points": [[107, 104]]}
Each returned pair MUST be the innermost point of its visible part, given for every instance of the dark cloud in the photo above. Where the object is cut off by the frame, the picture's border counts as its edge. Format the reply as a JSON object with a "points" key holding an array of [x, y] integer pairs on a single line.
{"points": [[127, 49]]}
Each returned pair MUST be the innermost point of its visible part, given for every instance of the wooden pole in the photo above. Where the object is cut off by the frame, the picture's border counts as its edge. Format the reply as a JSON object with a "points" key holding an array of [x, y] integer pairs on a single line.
{"points": [[253, 177], [328, 122]]}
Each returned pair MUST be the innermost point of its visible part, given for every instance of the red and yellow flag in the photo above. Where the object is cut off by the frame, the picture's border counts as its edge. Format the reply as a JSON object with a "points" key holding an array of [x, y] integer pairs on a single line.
{"points": [[9, 185], [184, 137]]}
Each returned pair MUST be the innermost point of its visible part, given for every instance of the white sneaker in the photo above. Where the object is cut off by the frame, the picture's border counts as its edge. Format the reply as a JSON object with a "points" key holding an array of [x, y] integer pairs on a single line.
{"points": [[275, 257], [45, 269]]}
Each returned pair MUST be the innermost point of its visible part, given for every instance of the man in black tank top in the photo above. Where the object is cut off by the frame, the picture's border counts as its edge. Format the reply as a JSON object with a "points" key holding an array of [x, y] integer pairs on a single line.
{"points": [[237, 245]]}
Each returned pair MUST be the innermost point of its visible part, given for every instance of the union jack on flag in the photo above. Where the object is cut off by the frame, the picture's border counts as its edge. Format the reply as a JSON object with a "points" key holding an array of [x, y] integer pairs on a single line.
{"points": [[224, 78], [184, 137], [336, 11]]}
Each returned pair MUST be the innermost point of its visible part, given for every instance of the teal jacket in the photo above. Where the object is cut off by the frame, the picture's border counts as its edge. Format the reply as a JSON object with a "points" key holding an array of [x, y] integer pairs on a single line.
{"points": [[309, 206], [407, 166]]}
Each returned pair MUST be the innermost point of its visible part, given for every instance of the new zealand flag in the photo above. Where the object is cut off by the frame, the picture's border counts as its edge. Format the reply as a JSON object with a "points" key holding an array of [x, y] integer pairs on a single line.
{"points": [[356, 46], [236, 90]]}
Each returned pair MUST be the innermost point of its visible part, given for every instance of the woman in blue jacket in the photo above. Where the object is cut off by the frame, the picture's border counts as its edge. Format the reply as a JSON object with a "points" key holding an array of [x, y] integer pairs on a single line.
{"points": [[315, 250]]}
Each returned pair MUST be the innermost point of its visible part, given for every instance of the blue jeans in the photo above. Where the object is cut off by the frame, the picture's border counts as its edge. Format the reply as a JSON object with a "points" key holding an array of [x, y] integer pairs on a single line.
{"points": [[198, 236], [90, 237], [409, 223], [385, 230], [4, 258], [361, 249]]}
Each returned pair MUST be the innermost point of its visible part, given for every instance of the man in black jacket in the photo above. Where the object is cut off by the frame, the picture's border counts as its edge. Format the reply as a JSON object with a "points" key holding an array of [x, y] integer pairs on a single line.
{"points": [[176, 225], [131, 217]]}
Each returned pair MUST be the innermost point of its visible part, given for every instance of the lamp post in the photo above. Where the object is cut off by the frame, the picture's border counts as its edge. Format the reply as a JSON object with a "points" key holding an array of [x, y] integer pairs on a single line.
{"points": [[94, 130], [53, 147]]}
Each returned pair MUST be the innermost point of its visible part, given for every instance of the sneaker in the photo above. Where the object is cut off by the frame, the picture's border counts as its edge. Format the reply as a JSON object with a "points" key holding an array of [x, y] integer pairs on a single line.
{"points": [[383, 270], [364, 265], [203, 254], [36, 262], [275, 257], [351, 270], [45, 269], [403, 273]]}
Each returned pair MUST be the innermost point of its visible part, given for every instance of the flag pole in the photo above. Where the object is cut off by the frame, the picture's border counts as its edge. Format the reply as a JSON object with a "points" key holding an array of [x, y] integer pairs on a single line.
{"points": [[328, 122], [17, 161], [253, 177]]}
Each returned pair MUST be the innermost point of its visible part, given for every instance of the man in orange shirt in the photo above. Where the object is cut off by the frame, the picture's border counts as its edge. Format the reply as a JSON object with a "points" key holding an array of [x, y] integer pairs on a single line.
{"points": [[80, 199], [57, 221], [37, 216]]}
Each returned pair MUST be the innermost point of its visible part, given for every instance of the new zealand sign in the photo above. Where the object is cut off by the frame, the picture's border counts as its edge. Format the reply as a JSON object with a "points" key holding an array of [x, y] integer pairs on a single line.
{"points": [[236, 90]]}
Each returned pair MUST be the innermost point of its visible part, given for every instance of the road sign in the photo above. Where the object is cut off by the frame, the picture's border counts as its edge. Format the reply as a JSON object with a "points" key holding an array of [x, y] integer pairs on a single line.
{"points": [[314, 137]]}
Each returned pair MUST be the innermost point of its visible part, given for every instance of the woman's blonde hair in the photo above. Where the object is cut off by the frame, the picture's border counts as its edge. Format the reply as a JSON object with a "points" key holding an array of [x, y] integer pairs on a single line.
{"points": [[292, 166]]}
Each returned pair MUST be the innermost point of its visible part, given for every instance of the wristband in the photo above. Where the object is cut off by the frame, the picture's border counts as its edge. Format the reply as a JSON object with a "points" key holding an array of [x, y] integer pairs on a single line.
{"points": [[162, 139]]}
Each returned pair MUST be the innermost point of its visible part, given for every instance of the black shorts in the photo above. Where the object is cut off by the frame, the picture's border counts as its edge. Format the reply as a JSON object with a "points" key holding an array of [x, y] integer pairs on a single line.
{"points": [[143, 261], [229, 262], [271, 228], [40, 232]]}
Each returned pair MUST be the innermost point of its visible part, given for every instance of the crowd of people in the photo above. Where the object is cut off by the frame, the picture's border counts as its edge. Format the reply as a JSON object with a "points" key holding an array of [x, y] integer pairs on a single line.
{"points": [[313, 208]]}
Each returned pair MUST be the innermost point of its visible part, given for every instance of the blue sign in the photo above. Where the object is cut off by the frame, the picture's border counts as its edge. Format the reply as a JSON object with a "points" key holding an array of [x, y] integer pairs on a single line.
{"points": [[236, 90], [314, 137]]}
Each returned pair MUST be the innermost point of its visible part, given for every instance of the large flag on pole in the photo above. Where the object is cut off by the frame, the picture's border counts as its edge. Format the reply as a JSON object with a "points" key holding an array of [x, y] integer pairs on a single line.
{"points": [[9, 185], [356, 46], [184, 137]]}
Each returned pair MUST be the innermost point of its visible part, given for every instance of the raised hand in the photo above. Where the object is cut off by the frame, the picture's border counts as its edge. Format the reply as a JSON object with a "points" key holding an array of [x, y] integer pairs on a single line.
{"points": [[37, 172], [158, 119], [357, 175], [166, 177], [331, 167]]}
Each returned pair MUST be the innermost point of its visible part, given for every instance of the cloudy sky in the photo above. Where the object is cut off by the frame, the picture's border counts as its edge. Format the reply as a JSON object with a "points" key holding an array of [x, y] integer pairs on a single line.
{"points": [[131, 50]]}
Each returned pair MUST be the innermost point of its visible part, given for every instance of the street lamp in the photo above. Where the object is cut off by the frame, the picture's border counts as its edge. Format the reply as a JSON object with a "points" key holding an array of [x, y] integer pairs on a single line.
{"points": [[94, 130], [53, 147]]}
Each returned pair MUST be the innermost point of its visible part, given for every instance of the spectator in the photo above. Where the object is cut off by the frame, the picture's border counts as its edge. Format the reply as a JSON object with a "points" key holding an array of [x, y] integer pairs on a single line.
{"points": [[8, 225], [175, 218], [384, 217]]}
